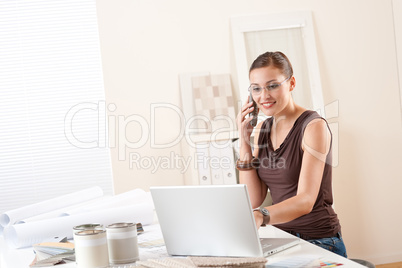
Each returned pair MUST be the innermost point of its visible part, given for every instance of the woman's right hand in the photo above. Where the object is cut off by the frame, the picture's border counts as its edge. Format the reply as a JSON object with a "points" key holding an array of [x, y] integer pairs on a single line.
{"points": [[243, 123]]}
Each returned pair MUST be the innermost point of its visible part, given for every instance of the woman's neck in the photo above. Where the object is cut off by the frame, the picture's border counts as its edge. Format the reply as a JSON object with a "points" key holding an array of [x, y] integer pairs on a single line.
{"points": [[289, 114]]}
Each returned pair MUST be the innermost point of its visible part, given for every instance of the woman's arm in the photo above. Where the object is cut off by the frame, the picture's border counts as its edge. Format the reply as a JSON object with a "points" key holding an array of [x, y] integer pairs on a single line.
{"points": [[316, 145], [257, 190]]}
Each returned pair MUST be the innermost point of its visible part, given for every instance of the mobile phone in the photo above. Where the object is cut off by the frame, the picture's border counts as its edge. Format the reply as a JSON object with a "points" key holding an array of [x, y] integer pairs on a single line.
{"points": [[254, 113]]}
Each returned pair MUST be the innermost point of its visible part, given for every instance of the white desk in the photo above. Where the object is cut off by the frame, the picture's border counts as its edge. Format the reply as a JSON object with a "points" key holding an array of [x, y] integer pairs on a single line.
{"points": [[19, 258], [303, 249]]}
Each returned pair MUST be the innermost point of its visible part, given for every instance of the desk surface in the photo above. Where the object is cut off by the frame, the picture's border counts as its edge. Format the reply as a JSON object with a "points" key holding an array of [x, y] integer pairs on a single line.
{"points": [[12, 258], [304, 249]]}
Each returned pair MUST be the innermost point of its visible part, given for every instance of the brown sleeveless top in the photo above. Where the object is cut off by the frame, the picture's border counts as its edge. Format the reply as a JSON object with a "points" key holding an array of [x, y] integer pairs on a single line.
{"points": [[280, 170]]}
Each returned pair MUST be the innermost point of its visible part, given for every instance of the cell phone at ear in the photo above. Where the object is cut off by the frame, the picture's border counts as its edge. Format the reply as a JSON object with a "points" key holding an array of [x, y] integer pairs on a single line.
{"points": [[254, 113]]}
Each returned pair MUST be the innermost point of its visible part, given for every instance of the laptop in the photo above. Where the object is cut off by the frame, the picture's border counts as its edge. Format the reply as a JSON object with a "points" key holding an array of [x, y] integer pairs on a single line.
{"points": [[213, 220]]}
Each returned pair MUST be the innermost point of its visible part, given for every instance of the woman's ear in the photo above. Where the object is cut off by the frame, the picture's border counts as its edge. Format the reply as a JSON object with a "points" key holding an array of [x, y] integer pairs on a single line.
{"points": [[292, 83]]}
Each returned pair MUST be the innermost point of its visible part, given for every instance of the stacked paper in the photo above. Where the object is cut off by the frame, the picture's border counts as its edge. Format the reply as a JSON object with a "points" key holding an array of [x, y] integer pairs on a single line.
{"points": [[52, 253], [49, 249]]}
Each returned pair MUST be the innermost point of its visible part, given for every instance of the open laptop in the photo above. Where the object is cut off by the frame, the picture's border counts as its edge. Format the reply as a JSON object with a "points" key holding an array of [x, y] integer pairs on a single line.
{"points": [[211, 221]]}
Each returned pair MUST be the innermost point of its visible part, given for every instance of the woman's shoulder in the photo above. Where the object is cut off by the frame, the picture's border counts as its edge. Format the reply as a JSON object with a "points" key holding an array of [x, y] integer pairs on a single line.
{"points": [[307, 118], [317, 135], [261, 126], [308, 115], [265, 123], [260, 135]]}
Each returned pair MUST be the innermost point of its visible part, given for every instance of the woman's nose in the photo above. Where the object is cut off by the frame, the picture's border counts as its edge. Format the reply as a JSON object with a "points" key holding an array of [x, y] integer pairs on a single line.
{"points": [[265, 93]]}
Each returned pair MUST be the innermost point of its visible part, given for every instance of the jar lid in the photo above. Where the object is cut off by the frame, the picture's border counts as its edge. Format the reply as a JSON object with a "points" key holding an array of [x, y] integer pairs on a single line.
{"points": [[90, 232], [87, 226], [121, 225]]}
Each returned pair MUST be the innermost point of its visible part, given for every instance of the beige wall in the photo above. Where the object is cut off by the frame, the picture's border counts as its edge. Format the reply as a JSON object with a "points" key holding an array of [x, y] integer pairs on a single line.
{"points": [[147, 44]]}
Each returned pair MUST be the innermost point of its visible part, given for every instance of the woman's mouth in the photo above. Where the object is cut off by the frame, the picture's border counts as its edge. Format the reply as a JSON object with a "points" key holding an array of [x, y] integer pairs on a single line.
{"points": [[267, 105]]}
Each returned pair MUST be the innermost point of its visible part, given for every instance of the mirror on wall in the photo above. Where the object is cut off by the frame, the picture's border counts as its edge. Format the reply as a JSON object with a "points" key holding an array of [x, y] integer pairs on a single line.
{"points": [[291, 33]]}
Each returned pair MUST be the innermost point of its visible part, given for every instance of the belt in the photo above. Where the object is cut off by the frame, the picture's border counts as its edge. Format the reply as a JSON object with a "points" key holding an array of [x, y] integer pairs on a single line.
{"points": [[306, 237]]}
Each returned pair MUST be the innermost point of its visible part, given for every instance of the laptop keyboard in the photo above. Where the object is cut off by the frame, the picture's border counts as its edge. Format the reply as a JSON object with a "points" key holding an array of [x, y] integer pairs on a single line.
{"points": [[264, 246]]}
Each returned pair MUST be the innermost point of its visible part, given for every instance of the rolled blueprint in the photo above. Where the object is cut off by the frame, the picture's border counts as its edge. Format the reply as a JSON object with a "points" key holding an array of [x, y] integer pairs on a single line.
{"points": [[63, 211], [27, 234], [13, 216], [135, 196]]}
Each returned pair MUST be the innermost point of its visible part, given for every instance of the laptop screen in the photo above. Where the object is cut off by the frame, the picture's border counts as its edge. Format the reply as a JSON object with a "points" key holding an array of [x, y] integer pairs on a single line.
{"points": [[214, 220]]}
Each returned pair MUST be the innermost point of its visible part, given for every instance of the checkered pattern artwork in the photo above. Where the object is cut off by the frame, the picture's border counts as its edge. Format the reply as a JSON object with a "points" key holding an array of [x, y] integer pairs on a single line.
{"points": [[213, 99]]}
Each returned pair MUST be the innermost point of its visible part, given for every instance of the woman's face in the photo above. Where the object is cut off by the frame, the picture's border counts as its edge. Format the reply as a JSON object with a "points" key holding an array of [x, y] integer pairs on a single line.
{"points": [[274, 101]]}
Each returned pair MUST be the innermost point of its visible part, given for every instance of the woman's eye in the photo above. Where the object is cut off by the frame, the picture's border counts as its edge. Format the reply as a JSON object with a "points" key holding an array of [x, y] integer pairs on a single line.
{"points": [[272, 87], [256, 89]]}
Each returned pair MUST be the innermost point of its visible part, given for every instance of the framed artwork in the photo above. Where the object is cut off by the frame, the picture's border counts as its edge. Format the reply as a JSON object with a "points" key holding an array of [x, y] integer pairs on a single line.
{"points": [[207, 102]]}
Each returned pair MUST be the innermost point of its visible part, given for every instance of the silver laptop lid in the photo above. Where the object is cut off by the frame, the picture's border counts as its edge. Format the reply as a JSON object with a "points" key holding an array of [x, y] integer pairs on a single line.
{"points": [[207, 220]]}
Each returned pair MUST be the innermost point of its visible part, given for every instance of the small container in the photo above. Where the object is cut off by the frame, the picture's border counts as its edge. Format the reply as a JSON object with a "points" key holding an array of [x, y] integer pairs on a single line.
{"points": [[87, 226], [91, 249], [122, 243]]}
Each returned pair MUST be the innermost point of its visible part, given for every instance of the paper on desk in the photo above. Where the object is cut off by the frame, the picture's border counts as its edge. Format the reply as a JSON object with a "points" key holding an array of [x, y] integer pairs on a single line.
{"points": [[10, 217], [151, 244], [308, 261], [27, 234]]}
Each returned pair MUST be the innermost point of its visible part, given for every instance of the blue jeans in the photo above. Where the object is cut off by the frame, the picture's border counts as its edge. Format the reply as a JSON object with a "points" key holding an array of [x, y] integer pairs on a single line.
{"points": [[334, 244]]}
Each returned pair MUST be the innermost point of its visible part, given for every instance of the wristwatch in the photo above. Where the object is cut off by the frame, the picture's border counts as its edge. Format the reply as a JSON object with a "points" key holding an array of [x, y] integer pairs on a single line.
{"points": [[265, 214]]}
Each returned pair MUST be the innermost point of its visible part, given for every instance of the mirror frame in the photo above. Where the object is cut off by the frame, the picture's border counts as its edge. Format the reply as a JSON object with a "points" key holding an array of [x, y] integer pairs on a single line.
{"points": [[276, 21]]}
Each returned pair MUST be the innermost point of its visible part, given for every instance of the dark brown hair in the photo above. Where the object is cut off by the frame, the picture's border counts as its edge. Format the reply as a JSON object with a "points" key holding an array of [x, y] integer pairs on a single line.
{"points": [[276, 59]]}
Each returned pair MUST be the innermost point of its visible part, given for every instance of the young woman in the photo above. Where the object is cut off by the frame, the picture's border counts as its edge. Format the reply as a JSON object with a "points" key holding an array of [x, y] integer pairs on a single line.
{"points": [[291, 157]]}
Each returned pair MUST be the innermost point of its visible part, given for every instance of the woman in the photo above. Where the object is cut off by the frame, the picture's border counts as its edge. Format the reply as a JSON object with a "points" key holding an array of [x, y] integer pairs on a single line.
{"points": [[291, 158]]}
